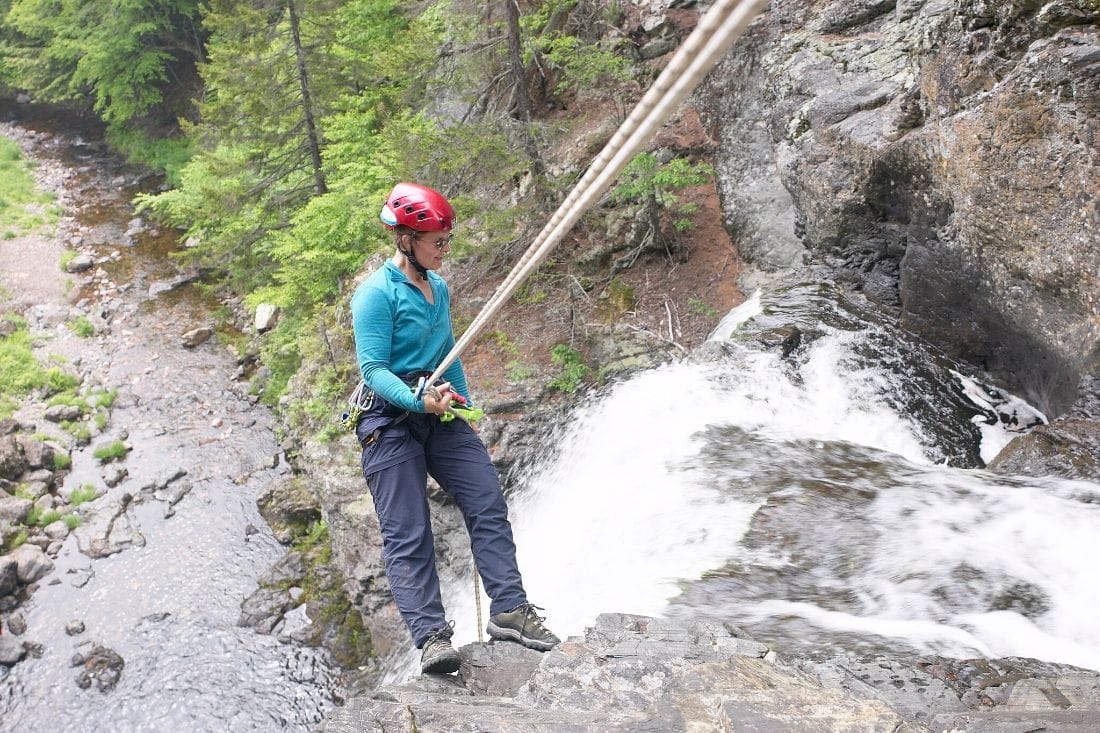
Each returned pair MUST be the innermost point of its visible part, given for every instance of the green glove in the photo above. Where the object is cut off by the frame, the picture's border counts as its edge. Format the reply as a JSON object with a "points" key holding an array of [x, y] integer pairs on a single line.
{"points": [[469, 414]]}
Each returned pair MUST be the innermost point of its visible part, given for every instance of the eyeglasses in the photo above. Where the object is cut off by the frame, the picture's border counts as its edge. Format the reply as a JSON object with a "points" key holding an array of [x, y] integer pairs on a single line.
{"points": [[440, 245]]}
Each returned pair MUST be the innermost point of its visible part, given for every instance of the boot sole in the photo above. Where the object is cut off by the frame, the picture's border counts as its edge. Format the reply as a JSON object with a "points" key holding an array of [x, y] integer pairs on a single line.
{"points": [[443, 664], [502, 634]]}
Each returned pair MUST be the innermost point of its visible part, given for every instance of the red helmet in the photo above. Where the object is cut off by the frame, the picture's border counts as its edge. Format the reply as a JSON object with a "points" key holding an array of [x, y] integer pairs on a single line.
{"points": [[417, 207]]}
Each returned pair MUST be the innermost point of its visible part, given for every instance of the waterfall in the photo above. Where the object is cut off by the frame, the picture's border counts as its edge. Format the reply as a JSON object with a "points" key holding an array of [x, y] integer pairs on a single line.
{"points": [[827, 500]]}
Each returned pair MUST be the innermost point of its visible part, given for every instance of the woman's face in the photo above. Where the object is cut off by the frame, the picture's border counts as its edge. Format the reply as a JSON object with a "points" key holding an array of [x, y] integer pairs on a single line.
{"points": [[430, 248]]}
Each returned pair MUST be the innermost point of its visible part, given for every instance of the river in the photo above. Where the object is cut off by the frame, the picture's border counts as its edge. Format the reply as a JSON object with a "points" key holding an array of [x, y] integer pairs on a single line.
{"points": [[191, 541]]}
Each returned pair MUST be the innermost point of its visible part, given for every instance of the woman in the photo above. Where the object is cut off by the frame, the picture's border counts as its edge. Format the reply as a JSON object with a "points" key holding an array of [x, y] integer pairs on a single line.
{"points": [[402, 321]]}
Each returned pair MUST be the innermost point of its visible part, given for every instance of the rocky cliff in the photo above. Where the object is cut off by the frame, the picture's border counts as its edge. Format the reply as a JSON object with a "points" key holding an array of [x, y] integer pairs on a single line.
{"points": [[942, 154]]}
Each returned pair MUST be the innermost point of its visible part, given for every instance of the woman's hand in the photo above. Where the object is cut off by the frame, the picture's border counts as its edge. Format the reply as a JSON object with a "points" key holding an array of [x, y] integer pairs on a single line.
{"points": [[437, 400]]}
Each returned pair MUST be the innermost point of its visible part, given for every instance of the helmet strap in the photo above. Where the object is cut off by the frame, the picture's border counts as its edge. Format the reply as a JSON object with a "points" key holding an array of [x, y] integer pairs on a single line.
{"points": [[420, 269]]}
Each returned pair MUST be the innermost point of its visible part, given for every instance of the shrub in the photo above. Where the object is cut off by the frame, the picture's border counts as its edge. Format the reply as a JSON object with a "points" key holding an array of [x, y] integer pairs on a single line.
{"points": [[573, 369], [110, 451], [62, 461], [82, 327], [83, 495]]}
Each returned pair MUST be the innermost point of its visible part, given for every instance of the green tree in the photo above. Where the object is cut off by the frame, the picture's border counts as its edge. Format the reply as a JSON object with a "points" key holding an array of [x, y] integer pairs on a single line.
{"points": [[125, 57]]}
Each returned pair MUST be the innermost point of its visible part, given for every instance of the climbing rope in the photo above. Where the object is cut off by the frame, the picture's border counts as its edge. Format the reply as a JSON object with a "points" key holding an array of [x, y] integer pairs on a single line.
{"points": [[717, 30], [477, 603]]}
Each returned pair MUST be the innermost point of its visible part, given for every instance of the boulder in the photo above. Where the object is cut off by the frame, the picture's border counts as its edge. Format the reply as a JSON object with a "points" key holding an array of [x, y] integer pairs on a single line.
{"points": [[13, 463], [80, 263], [32, 564], [12, 651], [9, 574], [197, 337], [14, 509], [267, 315], [38, 454]]}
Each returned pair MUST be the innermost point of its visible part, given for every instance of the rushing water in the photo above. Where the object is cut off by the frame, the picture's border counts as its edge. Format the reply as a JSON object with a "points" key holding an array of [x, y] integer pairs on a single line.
{"points": [[169, 603], [830, 500]]}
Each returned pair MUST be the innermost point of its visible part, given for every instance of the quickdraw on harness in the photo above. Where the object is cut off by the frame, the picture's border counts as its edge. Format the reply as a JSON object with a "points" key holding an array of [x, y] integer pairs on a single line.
{"points": [[361, 399]]}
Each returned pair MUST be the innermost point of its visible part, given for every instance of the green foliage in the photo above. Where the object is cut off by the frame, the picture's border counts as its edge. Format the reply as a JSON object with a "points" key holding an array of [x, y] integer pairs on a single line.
{"points": [[165, 154], [66, 257], [102, 398], [585, 66], [573, 369], [62, 461], [39, 517], [504, 342], [22, 208], [519, 371], [82, 327], [647, 177], [19, 538], [110, 451], [71, 521], [21, 373], [558, 35], [126, 54], [82, 495]]}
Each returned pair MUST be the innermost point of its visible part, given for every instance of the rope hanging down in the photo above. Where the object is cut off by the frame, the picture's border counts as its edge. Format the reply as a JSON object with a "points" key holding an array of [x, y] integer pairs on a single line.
{"points": [[717, 30]]}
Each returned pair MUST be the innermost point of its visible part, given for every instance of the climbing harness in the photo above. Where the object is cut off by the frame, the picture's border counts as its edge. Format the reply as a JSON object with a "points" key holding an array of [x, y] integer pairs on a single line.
{"points": [[717, 29]]}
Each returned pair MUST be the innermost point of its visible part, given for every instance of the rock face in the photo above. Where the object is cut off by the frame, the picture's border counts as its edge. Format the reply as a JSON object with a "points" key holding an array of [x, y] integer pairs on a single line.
{"points": [[634, 673], [942, 152]]}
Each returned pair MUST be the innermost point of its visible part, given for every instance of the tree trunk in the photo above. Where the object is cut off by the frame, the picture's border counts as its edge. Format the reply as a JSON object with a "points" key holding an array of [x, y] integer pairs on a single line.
{"points": [[522, 95], [307, 104]]}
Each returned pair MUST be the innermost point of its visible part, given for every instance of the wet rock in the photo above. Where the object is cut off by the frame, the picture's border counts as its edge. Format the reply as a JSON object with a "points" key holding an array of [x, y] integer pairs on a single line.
{"points": [[101, 667], [9, 575], [197, 336], [80, 576], [80, 263], [267, 315], [32, 564], [56, 530], [264, 609], [11, 651], [113, 475], [109, 531], [173, 493], [882, 149], [628, 673], [12, 461], [1067, 447], [8, 426], [289, 507], [14, 510], [74, 627], [17, 624]]}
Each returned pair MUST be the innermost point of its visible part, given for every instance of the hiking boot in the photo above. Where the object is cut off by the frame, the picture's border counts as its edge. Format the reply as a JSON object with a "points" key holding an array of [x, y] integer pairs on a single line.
{"points": [[522, 624], [437, 656]]}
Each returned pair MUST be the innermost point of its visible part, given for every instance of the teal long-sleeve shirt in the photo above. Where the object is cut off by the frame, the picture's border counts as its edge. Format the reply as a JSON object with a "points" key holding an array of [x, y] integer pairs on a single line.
{"points": [[397, 331]]}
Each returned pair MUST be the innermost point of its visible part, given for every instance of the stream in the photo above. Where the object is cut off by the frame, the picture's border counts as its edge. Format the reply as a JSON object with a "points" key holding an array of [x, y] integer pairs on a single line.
{"points": [[182, 539]]}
